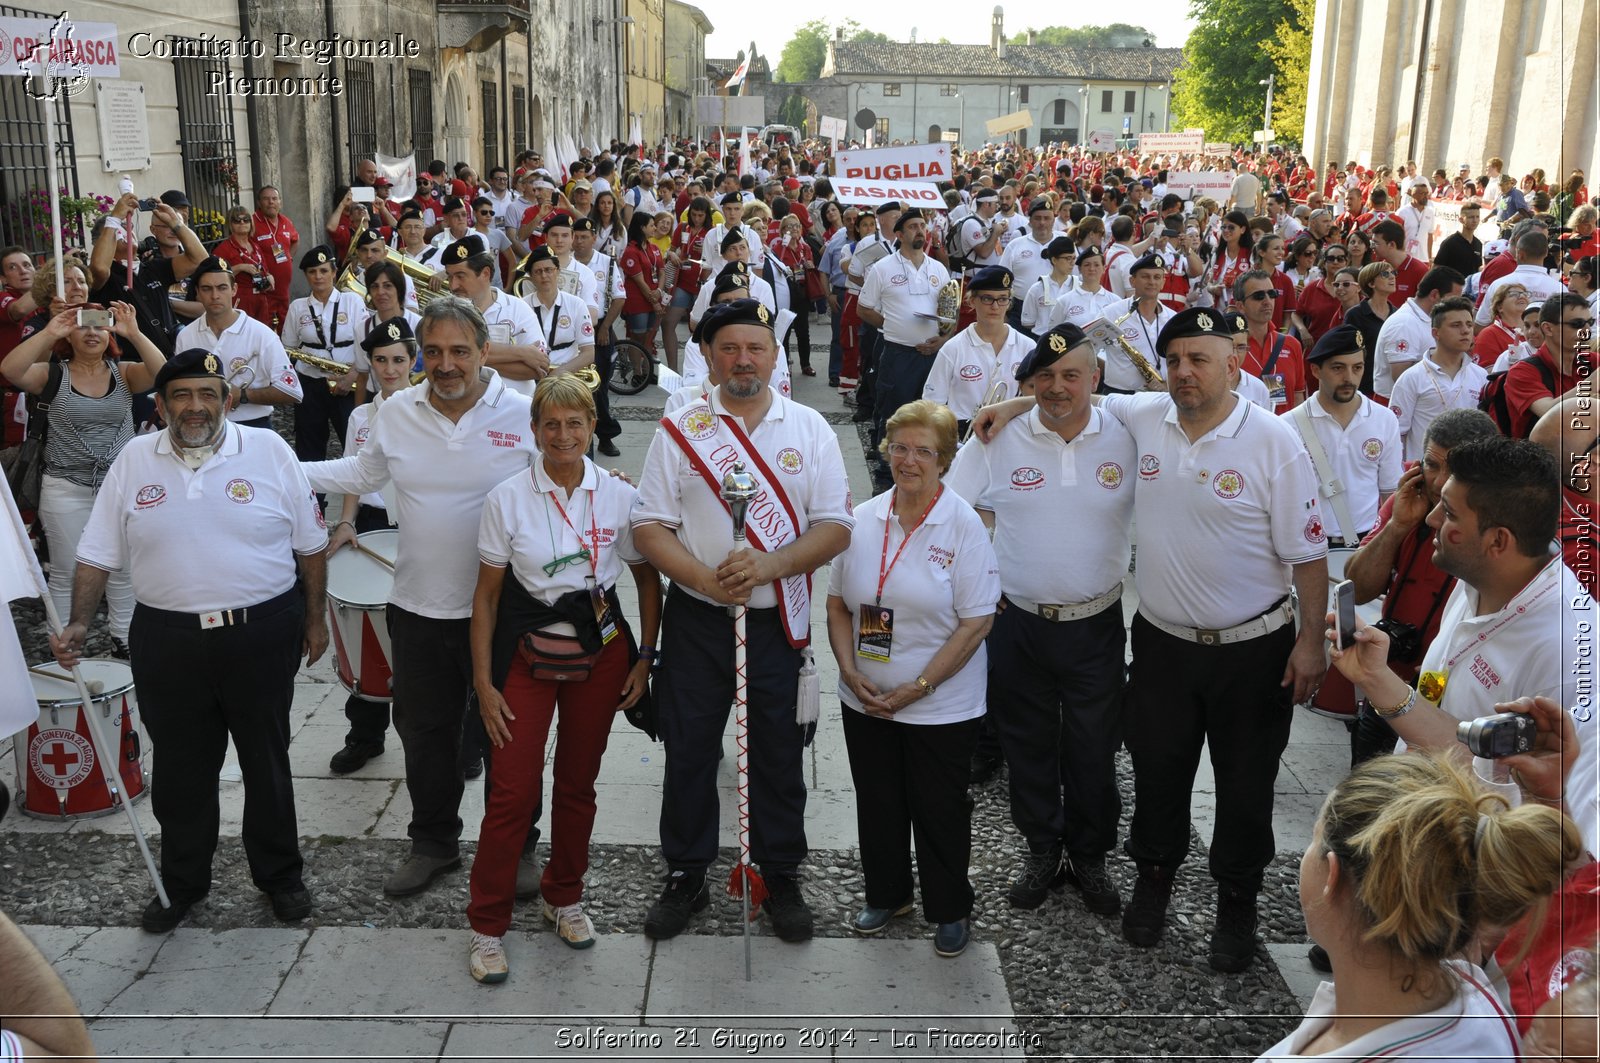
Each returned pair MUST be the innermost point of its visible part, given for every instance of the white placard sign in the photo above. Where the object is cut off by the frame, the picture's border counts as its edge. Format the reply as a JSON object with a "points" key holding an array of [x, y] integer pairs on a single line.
{"points": [[1101, 140], [1189, 140], [914, 162], [124, 127], [922, 194], [828, 126], [1192, 184], [77, 49], [732, 111]]}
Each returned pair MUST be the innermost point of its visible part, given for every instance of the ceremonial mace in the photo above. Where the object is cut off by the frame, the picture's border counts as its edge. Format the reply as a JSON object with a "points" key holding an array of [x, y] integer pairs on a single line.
{"points": [[738, 489]]}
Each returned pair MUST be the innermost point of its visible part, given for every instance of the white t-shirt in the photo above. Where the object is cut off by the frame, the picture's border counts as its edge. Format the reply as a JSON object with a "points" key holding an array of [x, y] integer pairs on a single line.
{"points": [[251, 353], [1425, 391], [565, 328], [10, 1048], [899, 290], [967, 367], [641, 198], [1365, 455], [248, 502], [1406, 335], [511, 321], [945, 573], [342, 319], [1535, 278], [1254, 388], [711, 250], [1038, 485], [759, 289], [971, 234], [1471, 1027], [1081, 306], [1119, 258], [1221, 520], [1025, 259], [523, 526], [600, 267], [442, 471], [358, 431], [1141, 335], [1418, 224]]}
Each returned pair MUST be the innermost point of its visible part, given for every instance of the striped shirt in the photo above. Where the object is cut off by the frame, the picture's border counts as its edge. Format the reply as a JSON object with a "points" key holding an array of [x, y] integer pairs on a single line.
{"points": [[87, 433]]}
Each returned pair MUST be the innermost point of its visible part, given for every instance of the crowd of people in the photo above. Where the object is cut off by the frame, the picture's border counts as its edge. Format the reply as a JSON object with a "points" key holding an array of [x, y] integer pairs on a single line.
{"points": [[1288, 387]]}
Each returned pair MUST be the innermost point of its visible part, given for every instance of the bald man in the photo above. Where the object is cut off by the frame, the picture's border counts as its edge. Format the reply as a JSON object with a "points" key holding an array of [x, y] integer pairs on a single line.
{"points": [[1571, 431]]}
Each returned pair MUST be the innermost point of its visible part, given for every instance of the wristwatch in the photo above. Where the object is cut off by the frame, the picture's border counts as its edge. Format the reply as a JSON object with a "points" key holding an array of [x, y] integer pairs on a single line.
{"points": [[927, 687], [1399, 710]]}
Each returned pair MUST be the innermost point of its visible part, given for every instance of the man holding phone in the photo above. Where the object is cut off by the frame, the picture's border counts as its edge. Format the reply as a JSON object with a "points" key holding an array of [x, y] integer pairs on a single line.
{"points": [[177, 253]]}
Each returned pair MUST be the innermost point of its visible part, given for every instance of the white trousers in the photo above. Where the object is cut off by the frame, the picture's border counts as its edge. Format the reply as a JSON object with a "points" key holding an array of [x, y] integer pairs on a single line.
{"points": [[64, 507]]}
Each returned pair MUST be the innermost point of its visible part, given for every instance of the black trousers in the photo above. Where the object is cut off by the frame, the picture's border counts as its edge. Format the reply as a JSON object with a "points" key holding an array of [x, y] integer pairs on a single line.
{"points": [[432, 680], [369, 720], [694, 692], [867, 384], [1055, 697], [319, 410], [902, 372], [1182, 694], [1370, 735], [197, 687], [911, 781], [606, 426], [801, 329]]}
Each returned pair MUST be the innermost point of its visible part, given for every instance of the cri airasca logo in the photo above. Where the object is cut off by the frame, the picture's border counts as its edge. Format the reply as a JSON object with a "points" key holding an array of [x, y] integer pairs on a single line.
{"points": [[66, 61]]}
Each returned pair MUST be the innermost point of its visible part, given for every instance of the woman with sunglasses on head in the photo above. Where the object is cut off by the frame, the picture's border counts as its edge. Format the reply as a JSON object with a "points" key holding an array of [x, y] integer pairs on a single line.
{"points": [[1377, 281], [243, 256], [1320, 307], [1232, 258], [1507, 306]]}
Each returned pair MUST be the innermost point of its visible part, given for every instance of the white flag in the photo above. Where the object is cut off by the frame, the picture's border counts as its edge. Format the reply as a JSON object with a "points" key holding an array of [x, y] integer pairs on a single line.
{"points": [[19, 578], [744, 150], [401, 172]]}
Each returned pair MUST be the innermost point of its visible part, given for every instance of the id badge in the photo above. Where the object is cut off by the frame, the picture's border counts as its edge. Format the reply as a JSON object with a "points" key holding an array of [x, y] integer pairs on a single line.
{"points": [[500, 332], [1275, 388], [278, 254], [876, 639], [602, 613]]}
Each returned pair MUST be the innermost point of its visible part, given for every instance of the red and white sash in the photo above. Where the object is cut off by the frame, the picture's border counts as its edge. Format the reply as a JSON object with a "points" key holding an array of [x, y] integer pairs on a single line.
{"points": [[712, 444]]}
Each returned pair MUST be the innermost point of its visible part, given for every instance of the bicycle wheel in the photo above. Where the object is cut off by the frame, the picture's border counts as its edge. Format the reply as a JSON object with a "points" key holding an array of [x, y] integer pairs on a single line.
{"points": [[631, 368]]}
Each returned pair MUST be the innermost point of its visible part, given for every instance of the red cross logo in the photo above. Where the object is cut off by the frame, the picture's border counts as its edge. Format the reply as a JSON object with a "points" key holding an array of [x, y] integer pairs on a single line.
{"points": [[59, 758]]}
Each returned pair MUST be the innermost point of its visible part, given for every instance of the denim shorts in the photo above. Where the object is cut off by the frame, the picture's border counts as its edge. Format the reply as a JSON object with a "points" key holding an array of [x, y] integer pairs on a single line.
{"points": [[682, 299], [639, 323]]}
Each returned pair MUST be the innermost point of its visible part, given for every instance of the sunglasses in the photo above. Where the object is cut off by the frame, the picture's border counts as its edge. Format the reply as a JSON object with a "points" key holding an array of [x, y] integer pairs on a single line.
{"points": [[1337, 258], [1271, 293], [1386, 273], [1579, 323]]}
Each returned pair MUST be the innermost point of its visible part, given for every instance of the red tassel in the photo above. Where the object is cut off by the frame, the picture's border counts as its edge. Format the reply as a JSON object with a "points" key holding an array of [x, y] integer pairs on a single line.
{"points": [[758, 888]]}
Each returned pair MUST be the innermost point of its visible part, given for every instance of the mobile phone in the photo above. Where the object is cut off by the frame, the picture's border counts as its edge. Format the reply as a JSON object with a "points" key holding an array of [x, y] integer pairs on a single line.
{"points": [[1504, 734], [362, 194], [94, 318], [1344, 614]]}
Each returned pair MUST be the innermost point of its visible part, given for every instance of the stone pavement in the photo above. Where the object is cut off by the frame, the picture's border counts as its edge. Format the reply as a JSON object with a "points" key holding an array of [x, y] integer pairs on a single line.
{"points": [[396, 993]]}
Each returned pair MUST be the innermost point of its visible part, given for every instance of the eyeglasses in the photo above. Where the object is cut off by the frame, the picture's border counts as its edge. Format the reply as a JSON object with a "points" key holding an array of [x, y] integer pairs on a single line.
{"points": [[1579, 323], [992, 300], [1336, 258], [1270, 293], [921, 454], [581, 557]]}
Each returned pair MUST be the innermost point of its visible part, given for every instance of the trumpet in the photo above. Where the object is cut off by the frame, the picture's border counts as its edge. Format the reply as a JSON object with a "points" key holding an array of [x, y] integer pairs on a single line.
{"points": [[948, 307], [317, 361], [999, 390], [1139, 361]]}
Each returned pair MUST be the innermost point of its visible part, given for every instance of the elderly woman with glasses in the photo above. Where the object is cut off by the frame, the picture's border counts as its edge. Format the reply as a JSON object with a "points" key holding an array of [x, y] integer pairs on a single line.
{"points": [[909, 605], [1507, 306], [243, 255]]}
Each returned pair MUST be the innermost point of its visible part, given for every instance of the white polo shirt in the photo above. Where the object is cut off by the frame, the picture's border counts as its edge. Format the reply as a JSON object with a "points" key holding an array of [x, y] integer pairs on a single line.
{"points": [[694, 371], [600, 267], [900, 291], [1406, 336], [1043, 488], [792, 439], [946, 573], [249, 503], [1254, 388], [578, 279], [358, 431], [564, 328], [1540, 644], [1365, 456], [967, 366], [759, 289], [1221, 520], [1141, 334], [523, 527], [1045, 299], [711, 249], [246, 343], [1535, 278], [342, 319], [1119, 257], [511, 321], [1425, 391], [1082, 306], [1025, 259], [442, 471], [972, 233]]}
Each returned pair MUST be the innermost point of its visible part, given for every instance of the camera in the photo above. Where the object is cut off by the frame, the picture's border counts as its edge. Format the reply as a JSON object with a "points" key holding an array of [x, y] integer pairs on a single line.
{"points": [[259, 282], [1405, 641], [1504, 734], [149, 204]]}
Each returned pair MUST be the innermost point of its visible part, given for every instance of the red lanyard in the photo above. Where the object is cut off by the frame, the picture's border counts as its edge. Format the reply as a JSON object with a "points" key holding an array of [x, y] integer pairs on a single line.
{"points": [[883, 573], [1505, 621], [594, 532]]}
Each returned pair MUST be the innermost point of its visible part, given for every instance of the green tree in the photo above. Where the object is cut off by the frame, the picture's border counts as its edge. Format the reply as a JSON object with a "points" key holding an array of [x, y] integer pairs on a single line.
{"points": [[807, 50], [1291, 56], [1116, 35], [1218, 86]]}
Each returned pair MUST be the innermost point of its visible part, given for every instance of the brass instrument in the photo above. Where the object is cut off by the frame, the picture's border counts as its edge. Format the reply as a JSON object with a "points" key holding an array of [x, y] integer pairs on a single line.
{"points": [[999, 390], [948, 307], [590, 377], [317, 361], [1146, 370]]}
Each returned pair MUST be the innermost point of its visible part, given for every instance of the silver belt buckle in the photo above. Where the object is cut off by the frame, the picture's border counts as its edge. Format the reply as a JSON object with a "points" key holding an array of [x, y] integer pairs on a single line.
{"points": [[1208, 636], [1051, 612]]}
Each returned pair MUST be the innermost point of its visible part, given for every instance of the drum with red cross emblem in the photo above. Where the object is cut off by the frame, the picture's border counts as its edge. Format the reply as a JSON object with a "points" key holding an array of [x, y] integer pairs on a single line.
{"points": [[58, 760]]}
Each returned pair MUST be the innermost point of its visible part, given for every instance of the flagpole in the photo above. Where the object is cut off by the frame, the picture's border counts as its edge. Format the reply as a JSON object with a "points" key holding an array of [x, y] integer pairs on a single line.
{"points": [[48, 103]]}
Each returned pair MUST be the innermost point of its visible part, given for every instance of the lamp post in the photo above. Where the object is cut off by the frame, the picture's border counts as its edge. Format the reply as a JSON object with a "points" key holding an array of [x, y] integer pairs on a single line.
{"points": [[1083, 113], [962, 132], [1266, 126]]}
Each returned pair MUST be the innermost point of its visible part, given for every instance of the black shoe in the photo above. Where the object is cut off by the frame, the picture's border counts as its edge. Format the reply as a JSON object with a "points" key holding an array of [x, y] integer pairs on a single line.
{"points": [[1041, 872], [473, 770], [1094, 884], [159, 920], [291, 906], [1319, 959], [1146, 915], [685, 895], [787, 908], [985, 766], [863, 412], [833, 381], [353, 756], [610, 449], [1233, 940]]}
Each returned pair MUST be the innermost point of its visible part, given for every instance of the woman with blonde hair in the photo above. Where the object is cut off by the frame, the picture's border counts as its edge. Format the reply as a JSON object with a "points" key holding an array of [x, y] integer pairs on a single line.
{"points": [[1377, 280], [1506, 307]]}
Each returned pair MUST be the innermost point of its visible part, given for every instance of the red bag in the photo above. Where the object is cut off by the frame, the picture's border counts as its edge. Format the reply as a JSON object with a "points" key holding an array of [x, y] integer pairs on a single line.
{"points": [[816, 285]]}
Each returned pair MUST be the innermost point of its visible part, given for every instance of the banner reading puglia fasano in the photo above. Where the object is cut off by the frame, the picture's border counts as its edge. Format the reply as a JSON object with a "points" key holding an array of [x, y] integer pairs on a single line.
{"points": [[911, 162]]}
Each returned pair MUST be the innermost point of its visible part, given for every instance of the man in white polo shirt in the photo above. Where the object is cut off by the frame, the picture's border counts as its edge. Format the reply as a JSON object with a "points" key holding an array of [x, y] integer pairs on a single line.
{"points": [[1062, 474], [1143, 316], [799, 521], [978, 365], [1024, 256], [901, 297], [1446, 378], [516, 351], [1407, 334], [1354, 443], [1530, 249], [220, 533], [977, 239], [443, 444], [253, 359]]}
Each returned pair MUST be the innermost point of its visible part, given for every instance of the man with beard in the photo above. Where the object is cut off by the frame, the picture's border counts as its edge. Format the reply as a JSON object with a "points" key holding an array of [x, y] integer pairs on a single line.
{"points": [[1353, 442], [216, 639]]}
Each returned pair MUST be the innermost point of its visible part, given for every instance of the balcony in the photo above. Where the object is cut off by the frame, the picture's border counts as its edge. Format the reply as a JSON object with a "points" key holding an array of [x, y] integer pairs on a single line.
{"points": [[478, 25]]}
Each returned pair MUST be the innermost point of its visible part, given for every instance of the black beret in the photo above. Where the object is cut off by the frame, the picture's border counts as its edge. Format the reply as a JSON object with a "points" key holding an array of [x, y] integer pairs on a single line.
{"points": [[730, 281], [738, 312], [1346, 339], [387, 333], [1092, 251], [731, 239], [174, 198], [991, 279], [1061, 245], [739, 268], [1049, 349], [210, 264], [893, 204], [321, 255], [584, 225], [1149, 261], [731, 197], [412, 213], [463, 249], [1237, 322], [192, 362], [911, 215], [1040, 204], [536, 256], [559, 220], [1195, 321], [368, 237]]}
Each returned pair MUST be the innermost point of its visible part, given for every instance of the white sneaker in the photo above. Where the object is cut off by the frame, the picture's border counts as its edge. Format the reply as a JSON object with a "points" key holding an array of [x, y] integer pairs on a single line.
{"points": [[487, 959], [572, 926]]}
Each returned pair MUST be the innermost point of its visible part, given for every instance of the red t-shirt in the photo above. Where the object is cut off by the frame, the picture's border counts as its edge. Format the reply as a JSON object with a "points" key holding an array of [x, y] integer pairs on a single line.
{"points": [[1570, 924], [275, 238], [1524, 387], [1286, 303], [1290, 365], [1492, 342], [1417, 587], [1577, 533], [1407, 278], [643, 263], [1319, 309], [244, 291], [1501, 265], [689, 243]]}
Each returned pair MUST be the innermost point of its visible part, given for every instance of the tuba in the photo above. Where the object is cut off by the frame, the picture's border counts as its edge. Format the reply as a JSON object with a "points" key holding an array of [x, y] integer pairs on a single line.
{"points": [[948, 307]]}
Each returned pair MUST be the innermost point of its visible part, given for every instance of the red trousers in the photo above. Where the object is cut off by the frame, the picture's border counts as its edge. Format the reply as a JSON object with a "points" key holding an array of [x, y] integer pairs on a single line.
{"points": [[517, 777]]}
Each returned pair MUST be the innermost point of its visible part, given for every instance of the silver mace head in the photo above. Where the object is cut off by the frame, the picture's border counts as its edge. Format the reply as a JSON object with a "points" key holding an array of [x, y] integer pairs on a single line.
{"points": [[738, 488]]}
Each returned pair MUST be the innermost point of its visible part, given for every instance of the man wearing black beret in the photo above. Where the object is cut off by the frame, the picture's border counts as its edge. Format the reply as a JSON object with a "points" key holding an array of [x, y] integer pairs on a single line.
{"points": [[978, 364]]}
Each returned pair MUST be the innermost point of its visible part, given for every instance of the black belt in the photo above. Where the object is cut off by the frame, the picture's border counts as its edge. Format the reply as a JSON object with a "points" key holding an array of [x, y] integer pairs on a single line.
{"points": [[223, 617], [726, 610]]}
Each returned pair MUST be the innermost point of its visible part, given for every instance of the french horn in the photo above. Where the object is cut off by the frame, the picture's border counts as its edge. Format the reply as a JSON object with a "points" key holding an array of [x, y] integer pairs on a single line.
{"points": [[948, 307]]}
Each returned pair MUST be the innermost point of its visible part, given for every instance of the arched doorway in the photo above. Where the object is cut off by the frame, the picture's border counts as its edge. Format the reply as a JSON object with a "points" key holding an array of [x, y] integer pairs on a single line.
{"points": [[935, 134], [1061, 122]]}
